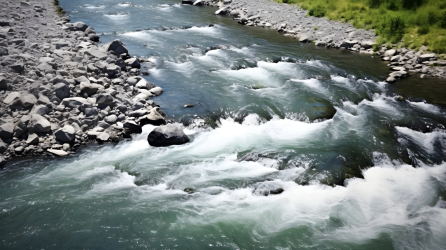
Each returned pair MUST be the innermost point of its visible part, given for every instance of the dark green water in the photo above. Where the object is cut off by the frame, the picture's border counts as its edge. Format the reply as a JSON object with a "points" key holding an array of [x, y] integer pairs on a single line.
{"points": [[303, 124]]}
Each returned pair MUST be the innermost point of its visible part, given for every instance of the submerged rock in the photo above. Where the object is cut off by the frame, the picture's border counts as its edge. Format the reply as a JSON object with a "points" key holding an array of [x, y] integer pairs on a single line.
{"points": [[167, 135]]}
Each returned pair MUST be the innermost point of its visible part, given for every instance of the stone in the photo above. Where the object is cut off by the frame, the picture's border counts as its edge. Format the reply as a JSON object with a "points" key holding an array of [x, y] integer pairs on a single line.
{"points": [[117, 47], [62, 90], [395, 58], [33, 139], [2, 160], [4, 51], [57, 152], [167, 135], [90, 88], [67, 134], [133, 62], [27, 100], [130, 127], [75, 102], [144, 84], [40, 110], [103, 137], [18, 68], [104, 99], [223, 11], [3, 83], [306, 38], [6, 131], [111, 119], [154, 118], [3, 147], [348, 43], [156, 91], [389, 53], [12, 98], [77, 26], [427, 57], [367, 44]]}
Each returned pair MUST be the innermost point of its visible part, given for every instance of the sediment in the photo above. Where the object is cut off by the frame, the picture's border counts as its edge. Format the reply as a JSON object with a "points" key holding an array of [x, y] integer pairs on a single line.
{"points": [[60, 89], [293, 21]]}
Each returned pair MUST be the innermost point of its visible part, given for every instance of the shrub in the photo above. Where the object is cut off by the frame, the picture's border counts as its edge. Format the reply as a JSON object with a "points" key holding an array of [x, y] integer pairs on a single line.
{"points": [[284, 1], [442, 20], [411, 4], [423, 30], [392, 28], [374, 3], [318, 11], [439, 46]]}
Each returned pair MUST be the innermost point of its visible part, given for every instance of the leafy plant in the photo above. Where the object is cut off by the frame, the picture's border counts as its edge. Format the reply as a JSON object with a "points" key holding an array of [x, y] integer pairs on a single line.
{"points": [[318, 11]]}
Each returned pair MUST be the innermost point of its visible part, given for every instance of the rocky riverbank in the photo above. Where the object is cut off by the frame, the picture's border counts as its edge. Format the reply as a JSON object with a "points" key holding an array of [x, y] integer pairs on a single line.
{"points": [[293, 21], [59, 89]]}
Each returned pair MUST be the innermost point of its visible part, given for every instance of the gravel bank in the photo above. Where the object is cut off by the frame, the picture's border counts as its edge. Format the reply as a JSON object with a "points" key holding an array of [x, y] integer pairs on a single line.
{"points": [[291, 20], [59, 89]]}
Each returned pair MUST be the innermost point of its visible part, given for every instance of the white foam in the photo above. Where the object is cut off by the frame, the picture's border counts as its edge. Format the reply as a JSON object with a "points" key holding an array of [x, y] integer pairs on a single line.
{"points": [[425, 140], [382, 103], [94, 7], [117, 17], [368, 207], [426, 107], [314, 84]]}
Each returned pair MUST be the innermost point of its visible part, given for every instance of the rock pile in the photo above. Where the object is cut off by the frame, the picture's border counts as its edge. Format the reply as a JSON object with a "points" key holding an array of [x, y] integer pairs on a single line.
{"points": [[59, 89]]}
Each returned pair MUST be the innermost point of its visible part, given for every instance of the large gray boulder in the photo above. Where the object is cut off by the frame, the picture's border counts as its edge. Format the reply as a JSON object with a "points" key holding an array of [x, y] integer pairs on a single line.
{"points": [[117, 47], [62, 90], [40, 110], [104, 99], [33, 124], [133, 62], [167, 135], [78, 26], [3, 83], [75, 102], [27, 100], [6, 131], [90, 88], [67, 134], [12, 99]]}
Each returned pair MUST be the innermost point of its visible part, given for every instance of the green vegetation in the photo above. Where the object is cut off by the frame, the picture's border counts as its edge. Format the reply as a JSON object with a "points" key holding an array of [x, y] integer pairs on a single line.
{"points": [[59, 9], [410, 23]]}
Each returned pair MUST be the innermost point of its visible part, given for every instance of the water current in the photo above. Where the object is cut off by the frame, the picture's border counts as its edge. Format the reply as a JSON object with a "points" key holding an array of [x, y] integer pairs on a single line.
{"points": [[360, 167]]}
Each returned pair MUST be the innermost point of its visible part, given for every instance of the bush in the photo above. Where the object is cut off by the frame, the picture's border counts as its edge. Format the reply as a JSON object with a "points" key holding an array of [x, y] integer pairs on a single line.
{"points": [[318, 11], [392, 28], [442, 20], [423, 30], [284, 1], [374, 3], [439, 46], [411, 4]]}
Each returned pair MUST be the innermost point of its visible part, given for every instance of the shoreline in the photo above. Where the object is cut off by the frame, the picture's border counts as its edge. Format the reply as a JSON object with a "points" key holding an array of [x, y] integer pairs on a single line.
{"points": [[293, 21], [60, 89]]}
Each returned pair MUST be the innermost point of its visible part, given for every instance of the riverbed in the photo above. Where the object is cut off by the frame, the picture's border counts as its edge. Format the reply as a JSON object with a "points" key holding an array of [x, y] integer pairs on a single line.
{"points": [[360, 166]]}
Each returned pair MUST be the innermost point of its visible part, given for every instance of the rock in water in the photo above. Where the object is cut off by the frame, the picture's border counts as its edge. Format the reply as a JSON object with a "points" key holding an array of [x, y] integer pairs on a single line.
{"points": [[117, 47], [66, 134], [167, 135]]}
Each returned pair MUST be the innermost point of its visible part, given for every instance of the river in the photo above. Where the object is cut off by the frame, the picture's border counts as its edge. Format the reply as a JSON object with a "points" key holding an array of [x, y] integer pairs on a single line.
{"points": [[359, 166]]}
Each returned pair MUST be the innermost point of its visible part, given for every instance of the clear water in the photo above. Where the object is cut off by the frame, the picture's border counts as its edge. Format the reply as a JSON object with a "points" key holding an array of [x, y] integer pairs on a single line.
{"points": [[257, 125]]}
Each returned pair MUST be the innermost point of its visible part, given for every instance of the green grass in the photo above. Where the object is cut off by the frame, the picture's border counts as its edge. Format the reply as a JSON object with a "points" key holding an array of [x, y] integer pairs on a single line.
{"points": [[408, 23]]}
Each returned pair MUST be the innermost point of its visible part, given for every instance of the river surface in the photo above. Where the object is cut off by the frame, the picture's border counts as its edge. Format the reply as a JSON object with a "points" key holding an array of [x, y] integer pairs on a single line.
{"points": [[360, 167]]}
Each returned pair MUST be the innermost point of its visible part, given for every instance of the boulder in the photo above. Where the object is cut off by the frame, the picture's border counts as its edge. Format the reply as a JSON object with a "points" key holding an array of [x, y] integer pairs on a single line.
{"points": [[33, 139], [133, 62], [66, 134], [167, 135], [89, 88], [77, 26], [75, 102], [117, 47], [27, 100], [3, 146], [154, 118], [389, 53], [58, 152], [6, 131], [131, 127], [348, 43], [427, 57], [223, 11], [305, 38], [367, 44], [111, 119], [4, 51], [144, 84], [156, 91], [3, 83], [12, 98], [62, 90], [18, 68], [2, 160], [40, 110], [104, 99]]}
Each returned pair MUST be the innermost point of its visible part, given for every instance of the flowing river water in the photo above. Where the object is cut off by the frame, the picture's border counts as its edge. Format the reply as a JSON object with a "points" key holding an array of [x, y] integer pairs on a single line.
{"points": [[360, 167]]}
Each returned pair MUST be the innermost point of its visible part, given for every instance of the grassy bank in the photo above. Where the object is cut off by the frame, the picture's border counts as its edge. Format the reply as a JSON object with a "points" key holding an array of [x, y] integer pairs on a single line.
{"points": [[411, 23]]}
